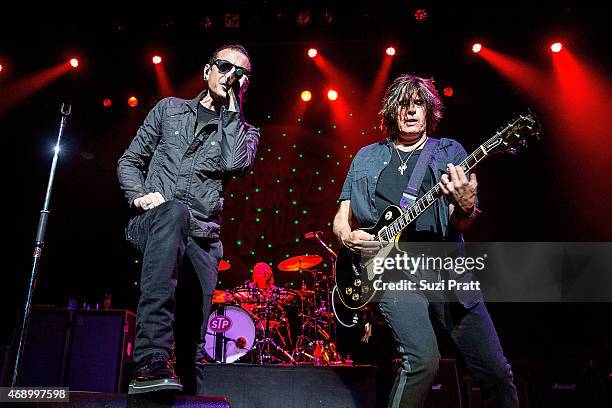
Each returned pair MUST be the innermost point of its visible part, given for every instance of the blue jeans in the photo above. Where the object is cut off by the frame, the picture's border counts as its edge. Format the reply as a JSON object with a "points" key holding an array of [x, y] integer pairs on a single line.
{"points": [[408, 314], [162, 236]]}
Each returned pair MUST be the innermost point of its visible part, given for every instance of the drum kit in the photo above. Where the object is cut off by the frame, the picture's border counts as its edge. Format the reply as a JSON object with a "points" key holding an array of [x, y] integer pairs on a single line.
{"points": [[249, 324]]}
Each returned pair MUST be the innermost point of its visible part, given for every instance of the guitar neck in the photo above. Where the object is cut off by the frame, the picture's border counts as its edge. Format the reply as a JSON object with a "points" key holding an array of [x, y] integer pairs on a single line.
{"points": [[429, 199]]}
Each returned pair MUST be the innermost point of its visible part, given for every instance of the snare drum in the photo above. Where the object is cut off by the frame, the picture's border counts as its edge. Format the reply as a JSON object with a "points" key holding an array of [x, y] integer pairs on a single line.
{"points": [[230, 334], [246, 295]]}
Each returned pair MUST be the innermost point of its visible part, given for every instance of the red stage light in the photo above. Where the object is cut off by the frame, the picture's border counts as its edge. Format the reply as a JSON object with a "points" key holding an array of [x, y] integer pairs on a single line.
{"points": [[390, 51], [133, 101], [157, 59], [0, 67], [74, 62], [476, 48], [556, 47], [306, 96], [312, 52], [449, 91], [421, 14], [107, 102], [332, 95]]}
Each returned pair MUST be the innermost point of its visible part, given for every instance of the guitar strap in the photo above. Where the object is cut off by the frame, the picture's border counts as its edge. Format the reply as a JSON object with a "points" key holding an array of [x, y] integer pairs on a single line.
{"points": [[411, 192]]}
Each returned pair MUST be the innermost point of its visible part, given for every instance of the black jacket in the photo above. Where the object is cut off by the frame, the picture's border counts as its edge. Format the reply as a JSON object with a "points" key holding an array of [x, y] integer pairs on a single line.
{"points": [[171, 156]]}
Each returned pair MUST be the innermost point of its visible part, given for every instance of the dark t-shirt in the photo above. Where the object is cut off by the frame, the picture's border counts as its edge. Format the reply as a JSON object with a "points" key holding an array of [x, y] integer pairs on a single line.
{"points": [[205, 115], [390, 186]]}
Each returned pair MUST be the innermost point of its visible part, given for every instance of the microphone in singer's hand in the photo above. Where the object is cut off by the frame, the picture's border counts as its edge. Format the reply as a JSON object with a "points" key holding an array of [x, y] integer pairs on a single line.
{"points": [[234, 78], [312, 234]]}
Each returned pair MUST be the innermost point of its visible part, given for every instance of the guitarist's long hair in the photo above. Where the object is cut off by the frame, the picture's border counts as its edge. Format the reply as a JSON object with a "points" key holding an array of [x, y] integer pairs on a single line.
{"points": [[412, 85]]}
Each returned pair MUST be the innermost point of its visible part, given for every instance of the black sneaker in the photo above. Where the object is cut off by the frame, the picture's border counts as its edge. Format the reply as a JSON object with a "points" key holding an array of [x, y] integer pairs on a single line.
{"points": [[155, 372]]}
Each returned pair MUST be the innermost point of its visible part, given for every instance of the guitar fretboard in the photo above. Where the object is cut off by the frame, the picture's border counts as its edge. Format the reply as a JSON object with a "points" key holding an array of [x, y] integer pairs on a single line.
{"points": [[428, 199], [502, 140]]}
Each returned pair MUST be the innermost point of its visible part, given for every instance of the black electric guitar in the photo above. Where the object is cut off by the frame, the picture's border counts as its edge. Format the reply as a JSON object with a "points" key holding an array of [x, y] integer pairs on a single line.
{"points": [[355, 272]]}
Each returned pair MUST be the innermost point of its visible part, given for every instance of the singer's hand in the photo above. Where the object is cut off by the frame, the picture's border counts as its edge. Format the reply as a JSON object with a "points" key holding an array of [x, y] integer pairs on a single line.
{"points": [[149, 201], [234, 102]]}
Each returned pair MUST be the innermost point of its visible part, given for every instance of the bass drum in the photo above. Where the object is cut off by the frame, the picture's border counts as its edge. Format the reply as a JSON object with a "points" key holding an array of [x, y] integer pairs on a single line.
{"points": [[230, 334]]}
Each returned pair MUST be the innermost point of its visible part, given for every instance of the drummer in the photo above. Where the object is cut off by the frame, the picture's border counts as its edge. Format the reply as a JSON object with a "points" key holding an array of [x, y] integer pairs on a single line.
{"points": [[263, 277]]}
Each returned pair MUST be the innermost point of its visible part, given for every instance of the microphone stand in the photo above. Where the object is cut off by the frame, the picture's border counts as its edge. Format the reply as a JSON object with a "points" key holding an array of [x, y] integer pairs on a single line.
{"points": [[333, 258], [330, 295], [39, 246]]}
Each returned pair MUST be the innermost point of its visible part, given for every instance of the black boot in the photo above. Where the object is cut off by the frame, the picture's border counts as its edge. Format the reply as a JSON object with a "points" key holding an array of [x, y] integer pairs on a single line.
{"points": [[155, 372]]}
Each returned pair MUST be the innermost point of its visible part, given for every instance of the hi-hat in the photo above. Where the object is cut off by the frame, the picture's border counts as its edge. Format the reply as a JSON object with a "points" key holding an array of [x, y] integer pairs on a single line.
{"points": [[299, 263]]}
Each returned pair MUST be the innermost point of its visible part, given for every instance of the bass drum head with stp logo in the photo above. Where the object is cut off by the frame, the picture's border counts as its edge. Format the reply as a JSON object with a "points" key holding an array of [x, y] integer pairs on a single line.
{"points": [[230, 334]]}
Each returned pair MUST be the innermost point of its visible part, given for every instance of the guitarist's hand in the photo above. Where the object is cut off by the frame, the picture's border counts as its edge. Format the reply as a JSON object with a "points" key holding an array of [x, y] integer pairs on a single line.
{"points": [[458, 189], [360, 242]]}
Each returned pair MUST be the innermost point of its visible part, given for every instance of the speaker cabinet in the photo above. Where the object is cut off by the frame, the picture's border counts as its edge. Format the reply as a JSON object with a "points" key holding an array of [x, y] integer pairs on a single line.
{"points": [[86, 350]]}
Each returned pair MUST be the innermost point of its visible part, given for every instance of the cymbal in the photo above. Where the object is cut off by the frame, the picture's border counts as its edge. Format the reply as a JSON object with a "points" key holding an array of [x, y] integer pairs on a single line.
{"points": [[223, 265], [299, 263], [304, 292]]}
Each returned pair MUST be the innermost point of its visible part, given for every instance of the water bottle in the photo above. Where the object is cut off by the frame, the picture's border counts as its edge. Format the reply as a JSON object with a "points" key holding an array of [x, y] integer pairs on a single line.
{"points": [[318, 354], [107, 301]]}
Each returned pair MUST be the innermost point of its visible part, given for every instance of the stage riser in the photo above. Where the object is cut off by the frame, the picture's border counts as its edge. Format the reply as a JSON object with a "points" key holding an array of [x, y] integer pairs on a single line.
{"points": [[249, 386]]}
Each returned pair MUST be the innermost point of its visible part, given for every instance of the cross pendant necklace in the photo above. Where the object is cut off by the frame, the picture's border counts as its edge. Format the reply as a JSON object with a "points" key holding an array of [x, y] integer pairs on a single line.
{"points": [[402, 167]]}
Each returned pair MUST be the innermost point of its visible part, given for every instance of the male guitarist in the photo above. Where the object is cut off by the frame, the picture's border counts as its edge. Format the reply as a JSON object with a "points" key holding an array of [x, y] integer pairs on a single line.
{"points": [[379, 176]]}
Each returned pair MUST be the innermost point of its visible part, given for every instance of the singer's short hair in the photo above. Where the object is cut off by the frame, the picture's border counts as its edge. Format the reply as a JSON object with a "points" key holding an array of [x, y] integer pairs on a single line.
{"points": [[235, 47], [410, 85]]}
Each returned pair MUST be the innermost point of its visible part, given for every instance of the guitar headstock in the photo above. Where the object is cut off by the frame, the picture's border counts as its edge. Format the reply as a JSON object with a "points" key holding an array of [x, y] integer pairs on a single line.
{"points": [[514, 135]]}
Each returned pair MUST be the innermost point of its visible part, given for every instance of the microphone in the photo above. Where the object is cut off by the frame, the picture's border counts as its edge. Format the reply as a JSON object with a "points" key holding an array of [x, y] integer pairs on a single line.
{"points": [[234, 77], [241, 343], [312, 234]]}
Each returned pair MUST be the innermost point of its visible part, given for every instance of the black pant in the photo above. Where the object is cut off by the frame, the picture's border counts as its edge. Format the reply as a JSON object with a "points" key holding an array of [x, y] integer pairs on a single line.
{"points": [[162, 235], [408, 314]]}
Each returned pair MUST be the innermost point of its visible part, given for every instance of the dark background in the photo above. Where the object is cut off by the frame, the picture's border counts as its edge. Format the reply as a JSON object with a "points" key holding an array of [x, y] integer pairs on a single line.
{"points": [[530, 197]]}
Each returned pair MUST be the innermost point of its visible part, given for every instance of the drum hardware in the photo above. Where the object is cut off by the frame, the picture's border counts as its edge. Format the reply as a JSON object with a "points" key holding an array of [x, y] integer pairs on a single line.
{"points": [[264, 345], [240, 342], [249, 322], [317, 325], [231, 333]]}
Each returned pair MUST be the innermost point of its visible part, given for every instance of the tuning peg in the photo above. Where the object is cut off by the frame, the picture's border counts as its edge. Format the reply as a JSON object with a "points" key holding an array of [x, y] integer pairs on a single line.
{"points": [[513, 150], [523, 142]]}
